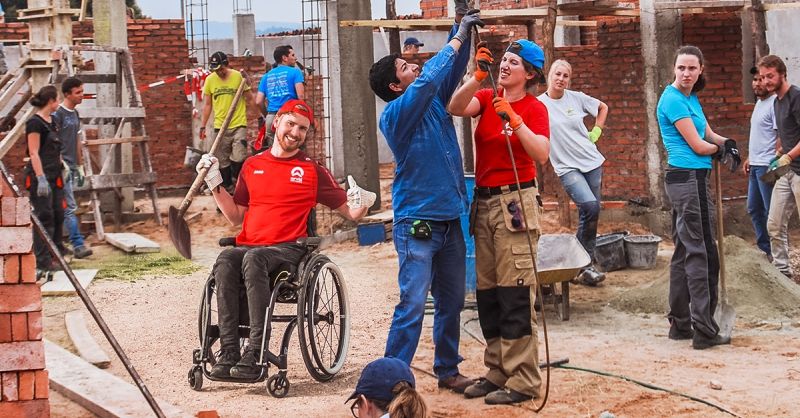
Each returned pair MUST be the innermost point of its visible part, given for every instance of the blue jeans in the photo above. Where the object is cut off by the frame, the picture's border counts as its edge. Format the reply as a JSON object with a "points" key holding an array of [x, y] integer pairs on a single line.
{"points": [[584, 190], [437, 264], [70, 220], [758, 197]]}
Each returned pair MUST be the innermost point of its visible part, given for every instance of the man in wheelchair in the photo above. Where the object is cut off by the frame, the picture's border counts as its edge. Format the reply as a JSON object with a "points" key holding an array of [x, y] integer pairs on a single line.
{"points": [[274, 195]]}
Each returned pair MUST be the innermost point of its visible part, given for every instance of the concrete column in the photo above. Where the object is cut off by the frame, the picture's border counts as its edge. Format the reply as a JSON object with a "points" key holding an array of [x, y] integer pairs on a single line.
{"points": [[111, 29], [244, 33], [358, 113], [335, 81], [661, 36]]}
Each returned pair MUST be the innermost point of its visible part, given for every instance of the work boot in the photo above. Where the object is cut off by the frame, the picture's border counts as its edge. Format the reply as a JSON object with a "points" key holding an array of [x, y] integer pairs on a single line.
{"points": [[247, 368], [701, 342], [83, 252], [591, 277], [676, 334], [457, 383], [480, 389], [506, 396], [65, 252], [226, 360]]}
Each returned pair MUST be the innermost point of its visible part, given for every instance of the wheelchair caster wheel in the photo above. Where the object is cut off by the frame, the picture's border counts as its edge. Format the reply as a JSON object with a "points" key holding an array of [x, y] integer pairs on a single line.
{"points": [[278, 385], [196, 378]]}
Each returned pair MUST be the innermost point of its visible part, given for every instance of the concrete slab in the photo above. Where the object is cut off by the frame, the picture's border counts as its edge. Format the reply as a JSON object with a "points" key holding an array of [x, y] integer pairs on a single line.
{"points": [[100, 392], [61, 286], [132, 243], [83, 341]]}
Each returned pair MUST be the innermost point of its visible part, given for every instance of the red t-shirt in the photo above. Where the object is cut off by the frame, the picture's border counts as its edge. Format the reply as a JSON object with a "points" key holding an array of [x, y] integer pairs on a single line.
{"points": [[492, 163], [279, 194]]}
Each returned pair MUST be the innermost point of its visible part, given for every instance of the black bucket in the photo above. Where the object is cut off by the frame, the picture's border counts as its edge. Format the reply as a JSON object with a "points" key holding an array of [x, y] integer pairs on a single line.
{"points": [[642, 250], [609, 252]]}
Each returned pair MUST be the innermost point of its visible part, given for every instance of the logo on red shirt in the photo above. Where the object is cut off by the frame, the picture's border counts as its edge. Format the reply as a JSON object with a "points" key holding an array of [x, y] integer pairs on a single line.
{"points": [[297, 175]]}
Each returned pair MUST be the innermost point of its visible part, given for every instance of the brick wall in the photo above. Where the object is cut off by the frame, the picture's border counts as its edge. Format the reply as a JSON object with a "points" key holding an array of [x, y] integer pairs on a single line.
{"points": [[23, 378]]}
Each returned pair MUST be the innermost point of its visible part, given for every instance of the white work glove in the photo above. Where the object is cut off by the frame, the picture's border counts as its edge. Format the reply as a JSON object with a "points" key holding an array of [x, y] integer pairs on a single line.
{"points": [[358, 197], [213, 176]]}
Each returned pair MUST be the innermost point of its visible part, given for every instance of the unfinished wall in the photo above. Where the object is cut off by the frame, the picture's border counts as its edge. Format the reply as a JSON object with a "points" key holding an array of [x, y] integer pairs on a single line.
{"points": [[22, 367]]}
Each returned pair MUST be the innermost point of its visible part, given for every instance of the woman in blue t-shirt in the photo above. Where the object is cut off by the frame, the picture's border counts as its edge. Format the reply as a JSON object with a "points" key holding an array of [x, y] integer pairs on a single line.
{"points": [[690, 144]]}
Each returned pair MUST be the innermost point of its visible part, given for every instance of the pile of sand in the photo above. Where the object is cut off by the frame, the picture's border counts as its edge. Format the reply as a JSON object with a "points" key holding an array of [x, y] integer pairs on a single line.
{"points": [[756, 289]]}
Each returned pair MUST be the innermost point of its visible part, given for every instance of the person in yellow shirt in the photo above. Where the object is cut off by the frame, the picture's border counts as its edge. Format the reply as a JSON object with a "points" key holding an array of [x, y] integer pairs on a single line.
{"points": [[218, 93]]}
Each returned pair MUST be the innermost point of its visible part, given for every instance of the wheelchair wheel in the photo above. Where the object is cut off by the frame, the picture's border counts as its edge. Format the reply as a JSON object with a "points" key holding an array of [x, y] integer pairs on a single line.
{"points": [[196, 378], [324, 325], [207, 324], [278, 385]]}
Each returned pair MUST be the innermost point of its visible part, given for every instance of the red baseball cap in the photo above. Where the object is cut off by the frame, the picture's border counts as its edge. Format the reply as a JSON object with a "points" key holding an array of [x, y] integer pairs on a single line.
{"points": [[299, 107]]}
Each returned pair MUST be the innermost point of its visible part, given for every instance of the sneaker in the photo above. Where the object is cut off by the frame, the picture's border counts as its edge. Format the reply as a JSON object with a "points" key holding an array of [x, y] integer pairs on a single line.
{"points": [[457, 383], [506, 396], [480, 389], [591, 277], [676, 334], [226, 360], [83, 252], [701, 342], [247, 368]]}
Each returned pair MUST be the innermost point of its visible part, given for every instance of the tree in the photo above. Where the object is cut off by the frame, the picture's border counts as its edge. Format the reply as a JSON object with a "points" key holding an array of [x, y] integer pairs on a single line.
{"points": [[11, 7]]}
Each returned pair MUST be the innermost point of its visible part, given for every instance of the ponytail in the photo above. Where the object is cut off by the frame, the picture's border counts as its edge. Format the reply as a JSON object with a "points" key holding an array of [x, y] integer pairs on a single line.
{"points": [[407, 402], [44, 96]]}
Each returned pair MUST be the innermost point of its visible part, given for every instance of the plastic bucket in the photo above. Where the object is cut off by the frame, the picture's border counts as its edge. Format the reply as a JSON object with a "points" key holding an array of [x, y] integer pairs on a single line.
{"points": [[609, 252], [192, 157], [642, 250], [471, 277]]}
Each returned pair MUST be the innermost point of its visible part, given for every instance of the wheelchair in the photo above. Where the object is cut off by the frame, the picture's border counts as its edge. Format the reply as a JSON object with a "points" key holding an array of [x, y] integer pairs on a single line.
{"points": [[316, 286]]}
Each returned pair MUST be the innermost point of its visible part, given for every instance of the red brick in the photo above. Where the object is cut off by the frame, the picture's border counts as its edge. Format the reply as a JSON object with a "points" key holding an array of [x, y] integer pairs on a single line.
{"points": [[19, 327], [20, 298], [11, 269], [28, 268], [23, 211], [42, 384], [39, 408], [34, 326], [16, 240], [5, 328], [26, 385], [10, 385], [8, 210], [24, 355]]}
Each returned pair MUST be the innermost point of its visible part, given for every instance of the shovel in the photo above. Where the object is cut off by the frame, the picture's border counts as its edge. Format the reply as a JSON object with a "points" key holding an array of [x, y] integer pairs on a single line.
{"points": [[771, 176], [725, 316], [178, 229]]}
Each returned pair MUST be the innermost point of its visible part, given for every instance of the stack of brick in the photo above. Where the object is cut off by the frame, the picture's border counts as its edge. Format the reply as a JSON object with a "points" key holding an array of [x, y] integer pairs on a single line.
{"points": [[22, 368], [432, 9]]}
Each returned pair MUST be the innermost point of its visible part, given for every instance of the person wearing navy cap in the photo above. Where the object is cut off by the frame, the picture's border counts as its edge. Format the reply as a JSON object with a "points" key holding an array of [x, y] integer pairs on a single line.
{"points": [[386, 388], [412, 45]]}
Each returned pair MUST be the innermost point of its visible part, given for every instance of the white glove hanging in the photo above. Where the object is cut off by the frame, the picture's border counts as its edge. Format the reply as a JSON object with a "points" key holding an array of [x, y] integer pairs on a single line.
{"points": [[213, 176], [358, 197]]}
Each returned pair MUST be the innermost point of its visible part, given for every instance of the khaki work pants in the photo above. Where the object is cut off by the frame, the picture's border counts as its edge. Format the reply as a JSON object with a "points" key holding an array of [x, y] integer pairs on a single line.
{"points": [[232, 146], [506, 289]]}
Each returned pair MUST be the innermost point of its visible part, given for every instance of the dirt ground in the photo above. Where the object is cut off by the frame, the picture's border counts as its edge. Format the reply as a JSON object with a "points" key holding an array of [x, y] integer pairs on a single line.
{"points": [[155, 320]]}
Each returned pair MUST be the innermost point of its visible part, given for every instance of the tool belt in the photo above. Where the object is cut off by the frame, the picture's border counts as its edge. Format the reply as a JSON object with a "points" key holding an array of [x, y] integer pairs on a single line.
{"points": [[487, 192]]}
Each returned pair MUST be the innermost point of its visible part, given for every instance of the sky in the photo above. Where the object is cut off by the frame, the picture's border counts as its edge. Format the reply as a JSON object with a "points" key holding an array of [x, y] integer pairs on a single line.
{"points": [[264, 10]]}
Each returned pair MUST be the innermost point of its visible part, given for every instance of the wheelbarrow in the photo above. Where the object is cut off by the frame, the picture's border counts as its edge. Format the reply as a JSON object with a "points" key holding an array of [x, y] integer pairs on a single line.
{"points": [[559, 258]]}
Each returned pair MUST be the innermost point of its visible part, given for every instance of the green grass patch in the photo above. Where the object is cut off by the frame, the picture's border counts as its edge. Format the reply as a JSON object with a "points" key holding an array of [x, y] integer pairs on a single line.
{"points": [[133, 267]]}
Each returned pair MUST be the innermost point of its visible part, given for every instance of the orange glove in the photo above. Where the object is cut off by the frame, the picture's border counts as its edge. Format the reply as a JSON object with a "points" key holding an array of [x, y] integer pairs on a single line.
{"points": [[504, 110], [202, 133], [483, 61]]}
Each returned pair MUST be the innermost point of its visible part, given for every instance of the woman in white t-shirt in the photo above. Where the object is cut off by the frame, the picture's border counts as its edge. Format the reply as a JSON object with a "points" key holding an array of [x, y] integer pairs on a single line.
{"points": [[574, 155]]}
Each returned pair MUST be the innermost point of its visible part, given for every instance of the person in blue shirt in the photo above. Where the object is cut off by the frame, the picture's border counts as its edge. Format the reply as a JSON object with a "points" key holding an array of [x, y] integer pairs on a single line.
{"points": [[428, 195], [282, 83], [690, 144]]}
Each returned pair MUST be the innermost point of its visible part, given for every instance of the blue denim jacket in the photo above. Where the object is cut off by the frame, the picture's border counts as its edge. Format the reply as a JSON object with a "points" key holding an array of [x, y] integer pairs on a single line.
{"points": [[429, 178]]}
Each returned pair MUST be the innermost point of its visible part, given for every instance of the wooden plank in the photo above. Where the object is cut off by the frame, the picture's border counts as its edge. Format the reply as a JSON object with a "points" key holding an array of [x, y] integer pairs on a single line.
{"points": [[385, 216], [111, 112], [82, 340], [16, 132], [113, 181], [61, 286], [132, 243], [102, 393], [702, 4], [96, 48], [446, 24], [780, 6], [11, 92], [124, 140], [90, 78]]}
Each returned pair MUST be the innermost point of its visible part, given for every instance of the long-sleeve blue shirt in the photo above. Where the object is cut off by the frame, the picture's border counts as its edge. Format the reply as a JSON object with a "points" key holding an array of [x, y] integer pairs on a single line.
{"points": [[429, 178]]}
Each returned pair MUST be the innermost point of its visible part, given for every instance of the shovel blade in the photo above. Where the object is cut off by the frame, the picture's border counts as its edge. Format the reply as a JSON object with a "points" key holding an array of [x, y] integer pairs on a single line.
{"points": [[179, 233], [725, 317], [771, 176]]}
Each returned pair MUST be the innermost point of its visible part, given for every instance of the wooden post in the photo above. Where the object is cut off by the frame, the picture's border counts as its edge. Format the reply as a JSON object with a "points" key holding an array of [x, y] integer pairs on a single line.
{"points": [[394, 33], [759, 28]]}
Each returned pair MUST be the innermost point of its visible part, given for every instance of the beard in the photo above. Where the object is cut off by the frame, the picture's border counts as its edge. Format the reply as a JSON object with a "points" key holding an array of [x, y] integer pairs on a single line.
{"points": [[288, 145]]}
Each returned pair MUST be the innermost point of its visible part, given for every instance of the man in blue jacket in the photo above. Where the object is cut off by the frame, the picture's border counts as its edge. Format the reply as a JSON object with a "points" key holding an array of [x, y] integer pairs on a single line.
{"points": [[428, 196]]}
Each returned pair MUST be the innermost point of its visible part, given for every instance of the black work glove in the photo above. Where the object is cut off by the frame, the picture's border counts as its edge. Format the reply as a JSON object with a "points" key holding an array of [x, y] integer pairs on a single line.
{"points": [[471, 20], [729, 155]]}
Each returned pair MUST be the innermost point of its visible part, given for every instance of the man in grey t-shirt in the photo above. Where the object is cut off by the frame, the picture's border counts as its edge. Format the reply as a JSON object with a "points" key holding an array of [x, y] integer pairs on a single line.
{"points": [[786, 193], [762, 147], [68, 125]]}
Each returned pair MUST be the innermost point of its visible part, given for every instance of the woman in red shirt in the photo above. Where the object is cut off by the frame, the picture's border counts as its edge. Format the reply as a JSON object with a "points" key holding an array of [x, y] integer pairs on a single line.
{"points": [[506, 281]]}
